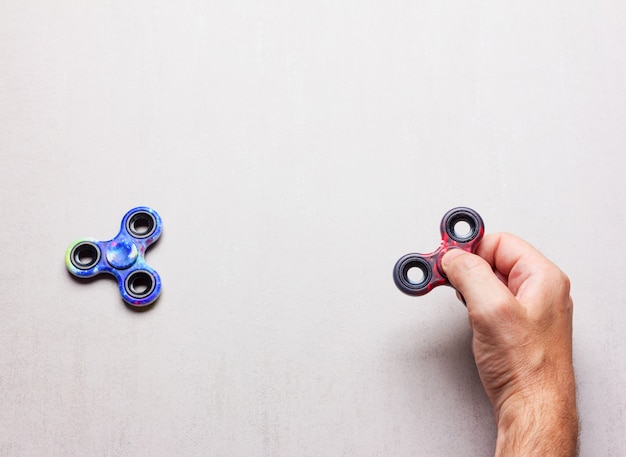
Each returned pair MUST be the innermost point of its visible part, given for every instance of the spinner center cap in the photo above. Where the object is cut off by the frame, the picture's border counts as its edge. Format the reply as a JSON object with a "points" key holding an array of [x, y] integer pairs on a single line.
{"points": [[122, 254]]}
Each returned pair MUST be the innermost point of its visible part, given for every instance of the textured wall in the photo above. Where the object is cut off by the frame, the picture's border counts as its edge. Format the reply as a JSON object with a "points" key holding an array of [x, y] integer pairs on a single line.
{"points": [[295, 151]]}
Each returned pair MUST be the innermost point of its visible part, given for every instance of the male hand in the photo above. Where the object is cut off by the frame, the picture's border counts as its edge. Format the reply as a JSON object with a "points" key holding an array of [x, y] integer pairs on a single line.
{"points": [[520, 311]]}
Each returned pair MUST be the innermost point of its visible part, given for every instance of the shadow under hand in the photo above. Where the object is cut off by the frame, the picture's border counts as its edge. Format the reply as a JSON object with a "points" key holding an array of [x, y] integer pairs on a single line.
{"points": [[434, 365]]}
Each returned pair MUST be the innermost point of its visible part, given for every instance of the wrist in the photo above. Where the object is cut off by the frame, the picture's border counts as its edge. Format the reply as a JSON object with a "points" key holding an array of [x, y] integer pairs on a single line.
{"points": [[538, 422]]}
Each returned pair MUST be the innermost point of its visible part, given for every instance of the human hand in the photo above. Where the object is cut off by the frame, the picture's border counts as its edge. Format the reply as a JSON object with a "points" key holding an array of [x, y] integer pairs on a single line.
{"points": [[520, 311]]}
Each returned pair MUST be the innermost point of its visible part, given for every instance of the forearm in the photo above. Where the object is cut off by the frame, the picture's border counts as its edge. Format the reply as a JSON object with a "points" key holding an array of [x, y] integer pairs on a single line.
{"points": [[546, 426]]}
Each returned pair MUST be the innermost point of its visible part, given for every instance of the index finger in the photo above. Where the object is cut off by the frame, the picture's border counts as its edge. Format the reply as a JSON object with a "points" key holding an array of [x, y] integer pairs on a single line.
{"points": [[512, 258]]}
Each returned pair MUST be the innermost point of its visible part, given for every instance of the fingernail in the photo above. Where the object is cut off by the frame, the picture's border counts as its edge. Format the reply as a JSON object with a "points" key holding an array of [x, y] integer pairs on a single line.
{"points": [[449, 256]]}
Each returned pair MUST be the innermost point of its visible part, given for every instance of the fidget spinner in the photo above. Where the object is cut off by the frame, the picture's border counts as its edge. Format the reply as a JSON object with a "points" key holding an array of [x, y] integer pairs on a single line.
{"points": [[122, 257], [418, 274]]}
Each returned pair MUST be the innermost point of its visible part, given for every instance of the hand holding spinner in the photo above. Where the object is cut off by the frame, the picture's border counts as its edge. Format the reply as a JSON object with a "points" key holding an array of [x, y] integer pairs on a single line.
{"points": [[122, 257], [418, 274]]}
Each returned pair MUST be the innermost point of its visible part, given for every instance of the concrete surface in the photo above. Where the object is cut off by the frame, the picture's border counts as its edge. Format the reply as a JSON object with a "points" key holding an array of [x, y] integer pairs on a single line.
{"points": [[295, 151]]}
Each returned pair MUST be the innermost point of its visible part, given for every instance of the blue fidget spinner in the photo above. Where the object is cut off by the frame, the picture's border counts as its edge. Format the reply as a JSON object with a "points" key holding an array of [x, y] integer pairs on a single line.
{"points": [[122, 257]]}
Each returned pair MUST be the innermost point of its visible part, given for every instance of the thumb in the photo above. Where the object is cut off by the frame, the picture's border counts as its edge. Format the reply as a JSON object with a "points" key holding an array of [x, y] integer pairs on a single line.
{"points": [[473, 277]]}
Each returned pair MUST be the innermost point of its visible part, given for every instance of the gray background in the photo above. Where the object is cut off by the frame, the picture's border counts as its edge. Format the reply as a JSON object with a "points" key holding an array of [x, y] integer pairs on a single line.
{"points": [[295, 151]]}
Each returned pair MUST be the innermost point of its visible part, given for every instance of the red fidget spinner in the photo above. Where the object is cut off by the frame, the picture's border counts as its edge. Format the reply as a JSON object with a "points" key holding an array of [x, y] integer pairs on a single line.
{"points": [[418, 274]]}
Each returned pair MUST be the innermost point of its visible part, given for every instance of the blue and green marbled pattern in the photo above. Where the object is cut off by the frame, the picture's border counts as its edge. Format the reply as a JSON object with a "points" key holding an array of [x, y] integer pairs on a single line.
{"points": [[123, 257]]}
